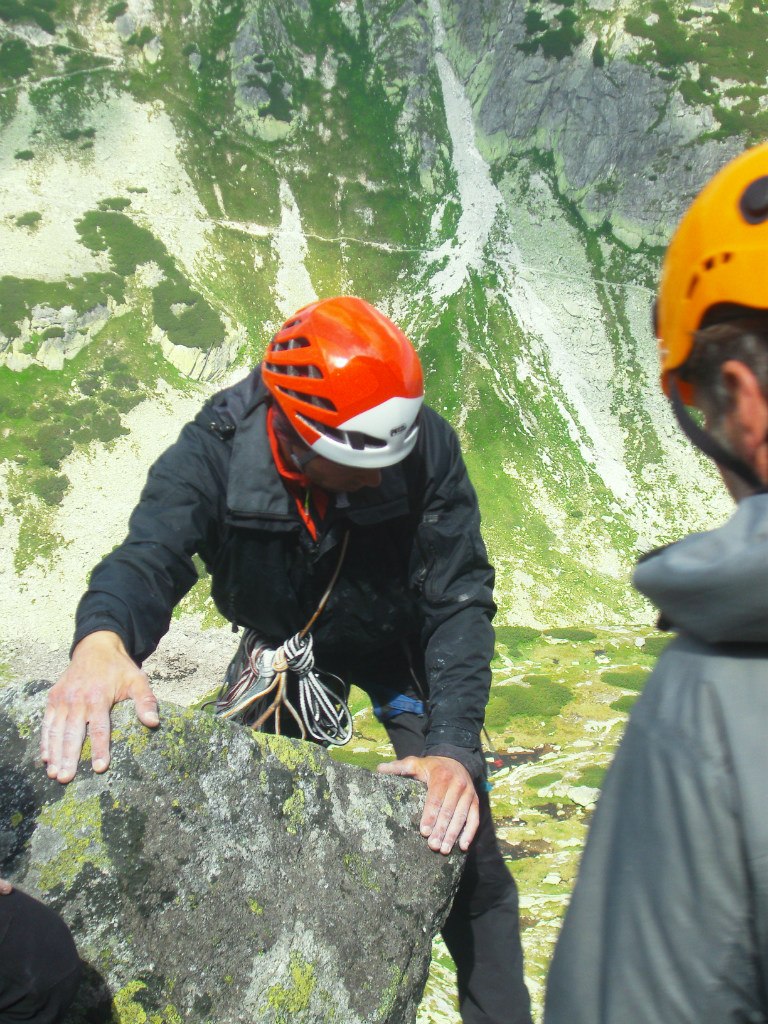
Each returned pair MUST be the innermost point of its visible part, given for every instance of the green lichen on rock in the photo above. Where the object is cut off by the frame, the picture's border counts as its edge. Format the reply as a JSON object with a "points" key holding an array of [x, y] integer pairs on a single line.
{"points": [[76, 821], [293, 754], [128, 1010], [389, 997], [293, 810], [362, 871], [136, 738], [295, 997], [179, 731]]}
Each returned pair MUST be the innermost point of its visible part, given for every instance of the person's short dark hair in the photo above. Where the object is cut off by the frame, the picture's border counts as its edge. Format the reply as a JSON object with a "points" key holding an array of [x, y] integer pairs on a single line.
{"points": [[745, 340], [284, 429]]}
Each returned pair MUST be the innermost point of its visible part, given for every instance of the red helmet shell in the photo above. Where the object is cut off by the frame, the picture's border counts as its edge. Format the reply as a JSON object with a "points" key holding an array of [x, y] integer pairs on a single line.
{"points": [[349, 381]]}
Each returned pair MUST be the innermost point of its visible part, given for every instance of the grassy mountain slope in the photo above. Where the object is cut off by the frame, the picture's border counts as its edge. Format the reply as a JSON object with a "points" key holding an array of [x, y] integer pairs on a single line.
{"points": [[178, 177]]}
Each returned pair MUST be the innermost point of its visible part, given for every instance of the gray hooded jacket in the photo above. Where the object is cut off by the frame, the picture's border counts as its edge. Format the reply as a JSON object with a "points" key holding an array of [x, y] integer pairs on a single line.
{"points": [[669, 917]]}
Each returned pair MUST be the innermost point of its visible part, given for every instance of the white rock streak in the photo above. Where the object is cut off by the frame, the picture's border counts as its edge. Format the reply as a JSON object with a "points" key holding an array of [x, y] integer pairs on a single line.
{"points": [[134, 148], [600, 442], [585, 377], [92, 518], [293, 285], [479, 197]]}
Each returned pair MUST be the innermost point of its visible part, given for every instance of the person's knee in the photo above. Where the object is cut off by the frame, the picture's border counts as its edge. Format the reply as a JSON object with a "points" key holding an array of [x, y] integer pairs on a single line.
{"points": [[40, 963]]}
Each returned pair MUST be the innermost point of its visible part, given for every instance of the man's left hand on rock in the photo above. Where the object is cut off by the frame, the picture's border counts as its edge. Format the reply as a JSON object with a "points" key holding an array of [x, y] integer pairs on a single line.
{"points": [[451, 810]]}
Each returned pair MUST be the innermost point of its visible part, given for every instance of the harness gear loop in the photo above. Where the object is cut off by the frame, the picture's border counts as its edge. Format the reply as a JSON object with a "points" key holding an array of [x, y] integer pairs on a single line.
{"points": [[322, 714]]}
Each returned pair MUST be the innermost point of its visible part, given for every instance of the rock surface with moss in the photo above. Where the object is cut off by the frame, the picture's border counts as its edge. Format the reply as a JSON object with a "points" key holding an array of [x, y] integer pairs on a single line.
{"points": [[215, 875]]}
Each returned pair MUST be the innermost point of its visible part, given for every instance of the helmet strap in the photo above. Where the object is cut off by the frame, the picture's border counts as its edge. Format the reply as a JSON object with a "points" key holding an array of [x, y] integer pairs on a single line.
{"points": [[709, 445]]}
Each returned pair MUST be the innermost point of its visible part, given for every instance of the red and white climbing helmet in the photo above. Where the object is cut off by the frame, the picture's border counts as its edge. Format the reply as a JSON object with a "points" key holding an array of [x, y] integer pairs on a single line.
{"points": [[348, 380]]}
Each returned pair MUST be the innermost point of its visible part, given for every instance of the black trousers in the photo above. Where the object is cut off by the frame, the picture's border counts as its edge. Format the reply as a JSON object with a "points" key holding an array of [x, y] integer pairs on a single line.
{"points": [[39, 965], [482, 931]]}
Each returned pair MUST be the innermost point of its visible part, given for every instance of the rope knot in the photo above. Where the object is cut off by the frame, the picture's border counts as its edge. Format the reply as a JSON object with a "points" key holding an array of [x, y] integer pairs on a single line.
{"points": [[299, 654]]}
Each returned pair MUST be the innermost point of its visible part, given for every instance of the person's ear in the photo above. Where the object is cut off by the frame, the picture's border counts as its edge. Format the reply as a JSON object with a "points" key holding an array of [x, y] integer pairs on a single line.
{"points": [[748, 414]]}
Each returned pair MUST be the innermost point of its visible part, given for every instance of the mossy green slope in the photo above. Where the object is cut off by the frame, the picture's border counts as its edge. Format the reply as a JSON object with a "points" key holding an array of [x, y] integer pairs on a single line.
{"points": [[338, 111]]}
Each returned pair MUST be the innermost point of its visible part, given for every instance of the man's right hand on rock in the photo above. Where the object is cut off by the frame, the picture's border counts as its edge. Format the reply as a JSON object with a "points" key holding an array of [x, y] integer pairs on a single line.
{"points": [[100, 674]]}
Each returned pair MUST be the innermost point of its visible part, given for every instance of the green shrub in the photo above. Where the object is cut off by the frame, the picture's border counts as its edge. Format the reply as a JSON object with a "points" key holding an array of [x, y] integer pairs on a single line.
{"points": [[542, 699], [654, 645], [52, 445], [141, 38], [32, 11], [50, 488], [89, 384], [116, 203], [76, 134], [124, 381], [24, 154], [128, 244], [19, 295], [515, 637], [116, 10], [627, 679], [113, 363], [29, 220], [107, 426], [11, 408], [625, 703], [567, 633], [542, 779], [534, 22], [15, 59], [120, 400], [198, 325], [555, 41], [592, 776]]}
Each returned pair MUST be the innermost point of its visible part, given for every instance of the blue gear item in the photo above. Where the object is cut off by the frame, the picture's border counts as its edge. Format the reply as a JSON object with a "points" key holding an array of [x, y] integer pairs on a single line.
{"points": [[395, 704]]}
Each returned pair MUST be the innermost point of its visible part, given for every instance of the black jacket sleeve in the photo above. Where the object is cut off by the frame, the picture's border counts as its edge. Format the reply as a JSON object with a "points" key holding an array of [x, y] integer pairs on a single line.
{"points": [[134, 590], [455, 580]]}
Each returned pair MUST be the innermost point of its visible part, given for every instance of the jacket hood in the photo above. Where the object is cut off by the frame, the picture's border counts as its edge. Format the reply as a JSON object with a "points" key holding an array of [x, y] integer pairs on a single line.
{"points": [[714, 585]]}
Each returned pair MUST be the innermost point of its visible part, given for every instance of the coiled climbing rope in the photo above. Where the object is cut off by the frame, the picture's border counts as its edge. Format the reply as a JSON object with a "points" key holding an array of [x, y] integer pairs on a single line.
{"points": [[322, 713]]}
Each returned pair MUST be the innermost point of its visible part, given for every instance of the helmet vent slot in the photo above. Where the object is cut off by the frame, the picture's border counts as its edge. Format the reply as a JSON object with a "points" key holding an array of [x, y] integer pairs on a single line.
{"points": [[317, 400], [692, 286], [708, 264], [290, 345], [349, 438], [295, 370]]}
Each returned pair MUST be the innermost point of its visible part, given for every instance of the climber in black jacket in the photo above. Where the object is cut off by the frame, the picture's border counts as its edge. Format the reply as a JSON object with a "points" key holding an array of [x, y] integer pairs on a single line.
{"points": [[323, 464]]}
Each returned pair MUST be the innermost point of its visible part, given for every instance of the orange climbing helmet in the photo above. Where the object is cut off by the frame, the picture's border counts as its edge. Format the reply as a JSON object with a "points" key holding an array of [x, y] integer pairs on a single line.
{"points": [[349, 382], [717, 260]]}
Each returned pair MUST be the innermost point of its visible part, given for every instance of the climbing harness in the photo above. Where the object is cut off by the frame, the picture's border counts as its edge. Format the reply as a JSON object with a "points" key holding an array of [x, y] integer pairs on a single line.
{"points": [[263, 673]]}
